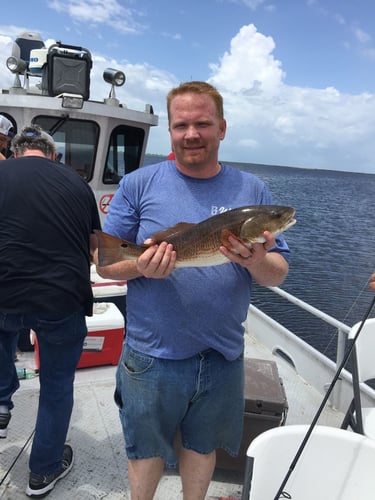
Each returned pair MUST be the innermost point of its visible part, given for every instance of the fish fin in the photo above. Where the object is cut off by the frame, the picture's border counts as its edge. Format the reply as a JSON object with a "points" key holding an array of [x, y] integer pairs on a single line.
{"points": [[225, 234], [110, 248], [170, 231]]}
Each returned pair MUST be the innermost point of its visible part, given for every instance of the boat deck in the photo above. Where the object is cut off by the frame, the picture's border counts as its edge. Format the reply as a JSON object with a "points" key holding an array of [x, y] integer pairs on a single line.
{"points": [[100, 469]]}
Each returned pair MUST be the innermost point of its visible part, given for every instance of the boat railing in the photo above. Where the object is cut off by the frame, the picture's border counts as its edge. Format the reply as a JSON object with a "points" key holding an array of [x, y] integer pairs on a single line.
{"points": [[342, 328], [341, 392]]}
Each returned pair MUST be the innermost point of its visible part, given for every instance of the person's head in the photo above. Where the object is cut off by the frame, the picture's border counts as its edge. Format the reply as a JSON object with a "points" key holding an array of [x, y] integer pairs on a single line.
{"points": [[33, 141], [198, 88], [196, 126], [6, 127]]}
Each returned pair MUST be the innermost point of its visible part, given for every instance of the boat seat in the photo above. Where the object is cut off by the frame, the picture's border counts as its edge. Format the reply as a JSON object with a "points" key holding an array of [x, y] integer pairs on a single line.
{"points": [[335, 464], [360, 417]]}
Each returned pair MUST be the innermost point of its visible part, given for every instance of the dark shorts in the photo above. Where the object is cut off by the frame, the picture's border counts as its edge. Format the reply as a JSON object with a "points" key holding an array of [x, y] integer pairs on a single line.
{"points": [[203, 396]]}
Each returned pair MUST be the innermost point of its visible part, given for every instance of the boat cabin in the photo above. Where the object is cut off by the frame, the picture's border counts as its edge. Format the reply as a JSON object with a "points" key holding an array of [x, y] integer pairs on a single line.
{"points": [[101, 140]]}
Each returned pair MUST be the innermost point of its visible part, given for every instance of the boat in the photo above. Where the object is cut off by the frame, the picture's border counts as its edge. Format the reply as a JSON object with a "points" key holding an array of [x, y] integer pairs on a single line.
{"points": [[103, 141]]}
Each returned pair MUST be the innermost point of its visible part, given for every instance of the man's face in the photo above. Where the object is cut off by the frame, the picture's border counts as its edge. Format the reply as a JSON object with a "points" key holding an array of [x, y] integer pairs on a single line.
{"points": [[4, 140], [195, 129]]}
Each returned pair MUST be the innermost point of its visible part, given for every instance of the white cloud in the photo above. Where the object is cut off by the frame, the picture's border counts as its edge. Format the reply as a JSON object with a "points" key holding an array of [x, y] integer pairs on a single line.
{"points": [[361, 35], [268, 121], [252, 4], [173, 36], [110, 12], [6, 42], [249, 65]]}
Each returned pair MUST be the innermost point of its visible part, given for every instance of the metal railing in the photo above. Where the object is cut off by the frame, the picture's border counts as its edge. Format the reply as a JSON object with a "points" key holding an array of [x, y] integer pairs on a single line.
{"points": [[342, 328]]}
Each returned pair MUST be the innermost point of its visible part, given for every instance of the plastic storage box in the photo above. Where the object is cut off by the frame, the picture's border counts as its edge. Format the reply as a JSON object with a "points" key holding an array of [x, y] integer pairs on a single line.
{"points": [[265, 407], [104, 340]]}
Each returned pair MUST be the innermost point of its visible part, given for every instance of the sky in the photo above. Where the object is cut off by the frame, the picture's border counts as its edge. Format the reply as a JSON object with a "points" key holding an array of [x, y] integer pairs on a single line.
{"points": [[297, 76]]}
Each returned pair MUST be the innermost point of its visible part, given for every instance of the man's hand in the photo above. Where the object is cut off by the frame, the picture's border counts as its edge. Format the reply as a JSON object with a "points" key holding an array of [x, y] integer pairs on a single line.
{"points": [[266, 268], [245, 256], [157, 262]]}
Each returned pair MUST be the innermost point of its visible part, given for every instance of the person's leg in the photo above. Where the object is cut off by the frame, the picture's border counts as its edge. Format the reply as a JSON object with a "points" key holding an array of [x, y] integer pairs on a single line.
{"points": [[60, 340], [152, 397], [138, 397], [214, 420], [196, 472], [144, 476], [9, 325]]}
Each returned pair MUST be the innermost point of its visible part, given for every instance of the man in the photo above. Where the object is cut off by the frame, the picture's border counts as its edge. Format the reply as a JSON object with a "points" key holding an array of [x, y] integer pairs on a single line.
{"points": [[6, 127], [48, 214], [6, 134], [372, 282], [182, 362]]}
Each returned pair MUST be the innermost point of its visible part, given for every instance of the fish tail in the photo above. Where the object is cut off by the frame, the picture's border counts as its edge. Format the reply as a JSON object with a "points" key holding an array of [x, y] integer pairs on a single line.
{"points": [[110, 248]]}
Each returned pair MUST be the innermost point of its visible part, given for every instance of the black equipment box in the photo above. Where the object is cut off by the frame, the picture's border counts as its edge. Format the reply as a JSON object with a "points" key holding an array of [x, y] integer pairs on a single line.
{"points": [[68, 70], [266, 407]]}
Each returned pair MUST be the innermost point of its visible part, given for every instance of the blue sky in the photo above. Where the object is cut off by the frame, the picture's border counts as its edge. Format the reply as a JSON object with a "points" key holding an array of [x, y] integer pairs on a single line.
{"points": [[297, 76]]}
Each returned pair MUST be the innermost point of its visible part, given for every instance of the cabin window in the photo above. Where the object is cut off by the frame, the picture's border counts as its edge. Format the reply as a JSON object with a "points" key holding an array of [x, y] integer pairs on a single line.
{"points": [[124, 153], [76, 142]]}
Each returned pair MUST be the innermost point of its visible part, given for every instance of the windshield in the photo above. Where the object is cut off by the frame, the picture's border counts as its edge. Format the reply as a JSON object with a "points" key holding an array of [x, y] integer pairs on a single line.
{"points": [[76, 142]]}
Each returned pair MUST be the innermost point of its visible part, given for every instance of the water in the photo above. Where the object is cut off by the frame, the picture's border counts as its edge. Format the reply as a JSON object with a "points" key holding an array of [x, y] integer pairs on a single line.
{"points": [[332, 247]]}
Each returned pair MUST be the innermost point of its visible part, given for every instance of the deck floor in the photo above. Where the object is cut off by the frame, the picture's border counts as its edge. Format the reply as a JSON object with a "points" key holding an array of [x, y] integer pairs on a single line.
{"points": [[100, 469]]}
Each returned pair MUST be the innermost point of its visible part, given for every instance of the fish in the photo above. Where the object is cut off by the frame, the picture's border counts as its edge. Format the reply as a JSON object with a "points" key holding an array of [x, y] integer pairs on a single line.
{"points": [[198, 244]]}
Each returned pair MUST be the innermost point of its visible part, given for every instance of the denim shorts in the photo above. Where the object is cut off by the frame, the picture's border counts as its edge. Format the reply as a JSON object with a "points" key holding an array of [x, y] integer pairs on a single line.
{"points": [[202, 396]]}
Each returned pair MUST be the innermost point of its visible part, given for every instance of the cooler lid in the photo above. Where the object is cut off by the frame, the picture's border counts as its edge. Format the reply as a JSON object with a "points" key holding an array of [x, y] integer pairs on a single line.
{"points": [[107, 316], [264, 391]]}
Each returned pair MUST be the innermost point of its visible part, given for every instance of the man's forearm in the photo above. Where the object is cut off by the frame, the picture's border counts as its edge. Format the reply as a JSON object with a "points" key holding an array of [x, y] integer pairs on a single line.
{"points": [[271, 271]]}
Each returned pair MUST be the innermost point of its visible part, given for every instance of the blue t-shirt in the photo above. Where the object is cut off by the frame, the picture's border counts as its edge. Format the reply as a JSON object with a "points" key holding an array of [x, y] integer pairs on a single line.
{"points": [[194, 309]]}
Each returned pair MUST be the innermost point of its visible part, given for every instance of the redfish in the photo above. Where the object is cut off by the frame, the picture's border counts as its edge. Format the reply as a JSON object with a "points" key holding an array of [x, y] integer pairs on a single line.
{"points": [[198, 244]]}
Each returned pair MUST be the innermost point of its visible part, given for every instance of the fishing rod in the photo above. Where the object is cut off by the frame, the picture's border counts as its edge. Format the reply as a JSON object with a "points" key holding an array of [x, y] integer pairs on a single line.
{"points": [[17, 457], [280, 493]]}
